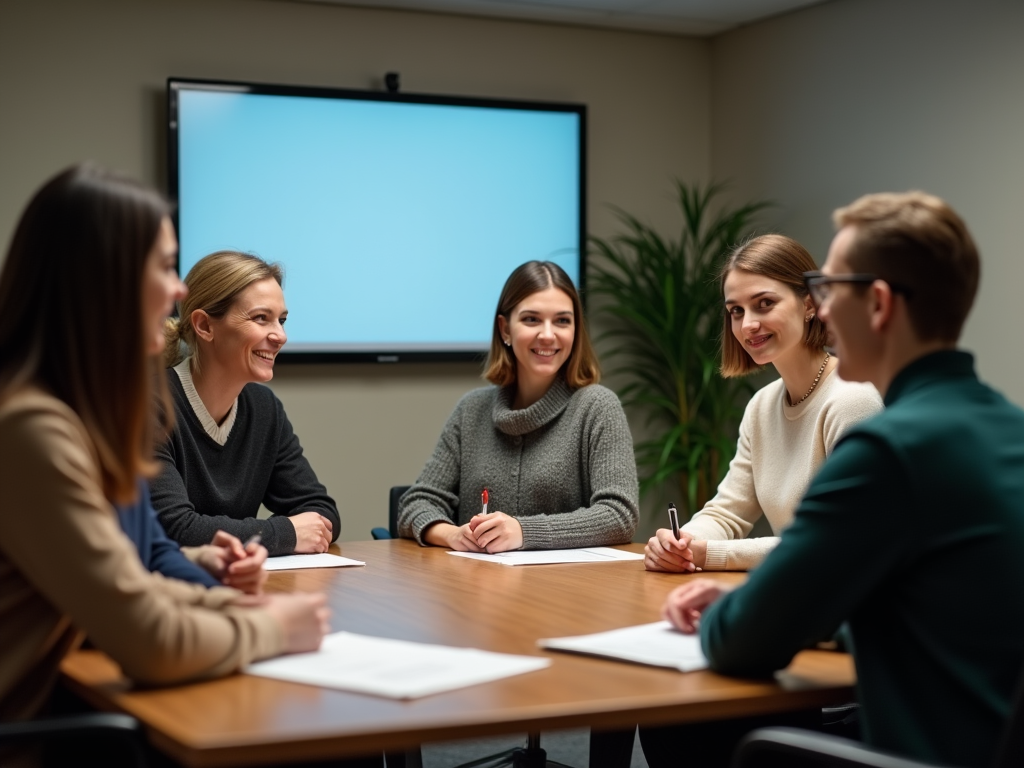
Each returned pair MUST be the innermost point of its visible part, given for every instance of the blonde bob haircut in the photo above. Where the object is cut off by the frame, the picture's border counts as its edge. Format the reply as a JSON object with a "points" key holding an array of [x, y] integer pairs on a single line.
{"points": [[527, 279], [213, 284], [780, 258]]}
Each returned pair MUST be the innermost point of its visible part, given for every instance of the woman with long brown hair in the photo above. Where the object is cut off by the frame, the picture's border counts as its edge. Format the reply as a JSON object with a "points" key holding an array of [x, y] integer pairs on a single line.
{"points": [[548, 443], [86, 286]]}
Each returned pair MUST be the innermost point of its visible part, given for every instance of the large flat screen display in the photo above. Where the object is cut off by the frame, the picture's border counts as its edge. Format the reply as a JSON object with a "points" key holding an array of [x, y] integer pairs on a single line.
{"points": [[396, 218]]}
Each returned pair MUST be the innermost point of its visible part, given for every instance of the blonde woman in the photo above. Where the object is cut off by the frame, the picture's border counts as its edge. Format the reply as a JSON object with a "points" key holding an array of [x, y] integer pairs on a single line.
{"points": [[233, 447]]}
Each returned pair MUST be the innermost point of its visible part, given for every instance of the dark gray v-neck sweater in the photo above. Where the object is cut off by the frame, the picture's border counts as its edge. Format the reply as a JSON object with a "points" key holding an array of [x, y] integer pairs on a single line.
{"points": [[563, 467], [205, 487]]}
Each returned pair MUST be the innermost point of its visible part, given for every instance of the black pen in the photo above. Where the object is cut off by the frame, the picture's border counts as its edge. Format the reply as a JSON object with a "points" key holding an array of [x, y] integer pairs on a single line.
{"points": [[673, 519]]}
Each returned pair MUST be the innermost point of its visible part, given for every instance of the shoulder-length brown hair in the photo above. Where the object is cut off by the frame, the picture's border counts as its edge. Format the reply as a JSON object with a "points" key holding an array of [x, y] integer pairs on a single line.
{"points": [[527, 279], [780, 258], [214, 283], [71, 314]]}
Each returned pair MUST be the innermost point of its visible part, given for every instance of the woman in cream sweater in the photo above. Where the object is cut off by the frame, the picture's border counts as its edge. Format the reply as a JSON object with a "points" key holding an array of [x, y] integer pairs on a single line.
{"points": [[789, 427]]}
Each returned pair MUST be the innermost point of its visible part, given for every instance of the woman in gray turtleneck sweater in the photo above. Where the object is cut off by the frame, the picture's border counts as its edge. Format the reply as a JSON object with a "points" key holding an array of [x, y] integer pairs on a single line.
{"points": [[548, 443]]}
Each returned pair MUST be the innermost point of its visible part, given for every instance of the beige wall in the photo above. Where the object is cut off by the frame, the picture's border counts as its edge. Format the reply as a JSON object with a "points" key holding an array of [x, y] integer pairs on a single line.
{"points": [[86, 80], [853, 96]]}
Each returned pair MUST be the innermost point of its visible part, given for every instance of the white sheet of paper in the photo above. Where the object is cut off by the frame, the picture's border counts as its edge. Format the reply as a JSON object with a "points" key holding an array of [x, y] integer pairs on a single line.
{"points": [[397, 669], [322, 560], [658, 644], [551, 556]]}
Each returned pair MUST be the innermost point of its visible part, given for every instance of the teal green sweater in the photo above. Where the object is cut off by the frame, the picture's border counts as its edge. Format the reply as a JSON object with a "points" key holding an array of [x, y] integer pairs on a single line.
{"points": [[913, 532]]}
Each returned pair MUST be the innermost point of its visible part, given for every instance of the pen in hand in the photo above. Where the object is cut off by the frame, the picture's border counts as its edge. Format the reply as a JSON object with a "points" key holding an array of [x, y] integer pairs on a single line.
{"points": [[673, 519], [483, 500]]}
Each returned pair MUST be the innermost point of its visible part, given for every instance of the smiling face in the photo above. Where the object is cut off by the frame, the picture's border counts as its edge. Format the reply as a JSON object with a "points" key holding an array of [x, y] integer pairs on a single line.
{"points": [[766, 316], [161, 287], [540, 330], [246, 340]]}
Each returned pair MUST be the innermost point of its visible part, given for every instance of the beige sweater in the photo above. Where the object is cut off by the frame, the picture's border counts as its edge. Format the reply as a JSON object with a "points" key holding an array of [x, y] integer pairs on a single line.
{"points": [[780, 449], [66, 569]]}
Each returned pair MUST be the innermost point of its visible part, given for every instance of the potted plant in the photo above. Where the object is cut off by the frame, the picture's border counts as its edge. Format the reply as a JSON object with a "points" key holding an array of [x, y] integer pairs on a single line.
{"points": [[664, 341]]}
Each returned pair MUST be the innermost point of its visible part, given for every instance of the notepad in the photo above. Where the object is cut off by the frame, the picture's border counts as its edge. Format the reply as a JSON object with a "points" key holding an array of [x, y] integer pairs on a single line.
{"points": [[658, 644], [551, 556], [322, 560], [395, 669]]}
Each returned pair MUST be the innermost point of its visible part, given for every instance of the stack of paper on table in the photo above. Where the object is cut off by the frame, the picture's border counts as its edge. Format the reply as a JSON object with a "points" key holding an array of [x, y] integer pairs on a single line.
{"points": [[397, 669], [658, 644], [322, 560], [550, 556]]}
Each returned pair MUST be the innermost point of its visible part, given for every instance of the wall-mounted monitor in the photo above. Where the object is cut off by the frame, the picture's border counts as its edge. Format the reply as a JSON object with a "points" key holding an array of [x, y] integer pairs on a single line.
{"points": [[396, 217]]}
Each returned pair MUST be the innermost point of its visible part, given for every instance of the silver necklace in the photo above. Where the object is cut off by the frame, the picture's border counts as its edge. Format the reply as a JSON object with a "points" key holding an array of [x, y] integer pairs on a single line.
{"points": [[815, 384]]}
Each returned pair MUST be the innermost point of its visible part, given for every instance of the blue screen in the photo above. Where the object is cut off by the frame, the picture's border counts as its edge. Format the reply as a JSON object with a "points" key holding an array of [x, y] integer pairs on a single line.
{"points": [[396, 223]]}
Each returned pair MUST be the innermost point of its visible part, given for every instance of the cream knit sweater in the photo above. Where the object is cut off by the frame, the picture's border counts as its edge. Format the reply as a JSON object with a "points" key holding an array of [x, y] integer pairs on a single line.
{"points": [[780, 449]]}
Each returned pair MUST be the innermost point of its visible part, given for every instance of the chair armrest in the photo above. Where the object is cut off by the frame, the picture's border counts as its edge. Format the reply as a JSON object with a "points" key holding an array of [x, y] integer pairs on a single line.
{"points": [[122, 728], [795, 748], [380, 533]]}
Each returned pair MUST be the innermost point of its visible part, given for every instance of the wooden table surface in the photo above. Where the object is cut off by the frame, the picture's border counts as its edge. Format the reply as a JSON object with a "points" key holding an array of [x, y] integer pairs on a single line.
{"points": [[425, 594]]}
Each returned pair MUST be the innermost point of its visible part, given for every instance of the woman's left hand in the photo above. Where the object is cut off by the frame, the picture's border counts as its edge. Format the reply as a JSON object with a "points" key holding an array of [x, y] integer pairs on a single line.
{"points": [[496, 532], [684, 605], [235, 566]]}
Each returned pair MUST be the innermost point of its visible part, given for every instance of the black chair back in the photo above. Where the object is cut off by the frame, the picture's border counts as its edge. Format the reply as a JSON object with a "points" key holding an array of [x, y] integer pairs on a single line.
{"points": [[1011, 750]]}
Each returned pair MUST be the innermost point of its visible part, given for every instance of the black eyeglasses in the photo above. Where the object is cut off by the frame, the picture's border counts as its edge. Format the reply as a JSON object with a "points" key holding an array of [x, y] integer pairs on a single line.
{"points": [[818, 284]]}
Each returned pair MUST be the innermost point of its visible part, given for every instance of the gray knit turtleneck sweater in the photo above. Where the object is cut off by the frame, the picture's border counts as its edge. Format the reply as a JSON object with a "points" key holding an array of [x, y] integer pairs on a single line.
{"points": [[563, 467]]}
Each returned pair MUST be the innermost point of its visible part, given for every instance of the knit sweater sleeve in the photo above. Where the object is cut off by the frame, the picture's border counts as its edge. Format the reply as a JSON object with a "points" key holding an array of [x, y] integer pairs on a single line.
{"points": [[613, 510], [853, 403], [434, 498], [159, 630], [727, 519], [190, 527], [294, 487]]}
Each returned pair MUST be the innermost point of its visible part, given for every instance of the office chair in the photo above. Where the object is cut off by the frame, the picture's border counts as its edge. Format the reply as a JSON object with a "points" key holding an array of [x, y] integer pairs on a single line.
{"points": [[795, 748], [120, 730], [391, 532]]}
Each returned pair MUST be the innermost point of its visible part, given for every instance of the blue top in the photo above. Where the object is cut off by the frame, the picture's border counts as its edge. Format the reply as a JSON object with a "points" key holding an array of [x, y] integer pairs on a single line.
{"points": [[157, 552]]}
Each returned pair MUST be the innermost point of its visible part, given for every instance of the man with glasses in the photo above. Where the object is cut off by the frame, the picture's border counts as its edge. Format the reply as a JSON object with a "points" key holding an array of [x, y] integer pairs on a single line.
{"points": [[913, 530]]}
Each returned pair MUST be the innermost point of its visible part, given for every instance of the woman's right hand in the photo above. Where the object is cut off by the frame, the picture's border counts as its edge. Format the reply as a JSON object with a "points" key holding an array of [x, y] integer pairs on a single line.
{"points": [[457, 537], [304, 619], [312, 533], [666, 553]]}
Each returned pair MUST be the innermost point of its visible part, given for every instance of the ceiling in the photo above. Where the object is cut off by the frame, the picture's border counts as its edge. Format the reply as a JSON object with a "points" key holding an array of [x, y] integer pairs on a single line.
{"points": [[682, 17]]}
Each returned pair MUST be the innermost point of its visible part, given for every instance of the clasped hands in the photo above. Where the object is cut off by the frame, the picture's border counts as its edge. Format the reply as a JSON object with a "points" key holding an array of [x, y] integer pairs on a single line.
{"points": [[303, 617], [232, 564], [493, 532]]}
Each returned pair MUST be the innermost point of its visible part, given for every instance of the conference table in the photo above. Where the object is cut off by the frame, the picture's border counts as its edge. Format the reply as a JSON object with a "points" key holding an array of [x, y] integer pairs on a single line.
{"points": [[425, 594]]}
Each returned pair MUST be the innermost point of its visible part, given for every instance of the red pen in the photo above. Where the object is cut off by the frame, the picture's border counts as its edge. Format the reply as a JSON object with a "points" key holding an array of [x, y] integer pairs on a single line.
{"points": [[483, 499]]}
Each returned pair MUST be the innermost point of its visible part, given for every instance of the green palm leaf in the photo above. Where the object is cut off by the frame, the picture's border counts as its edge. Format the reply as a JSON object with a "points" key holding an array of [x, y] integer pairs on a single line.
{"points": [[664, 315]]}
